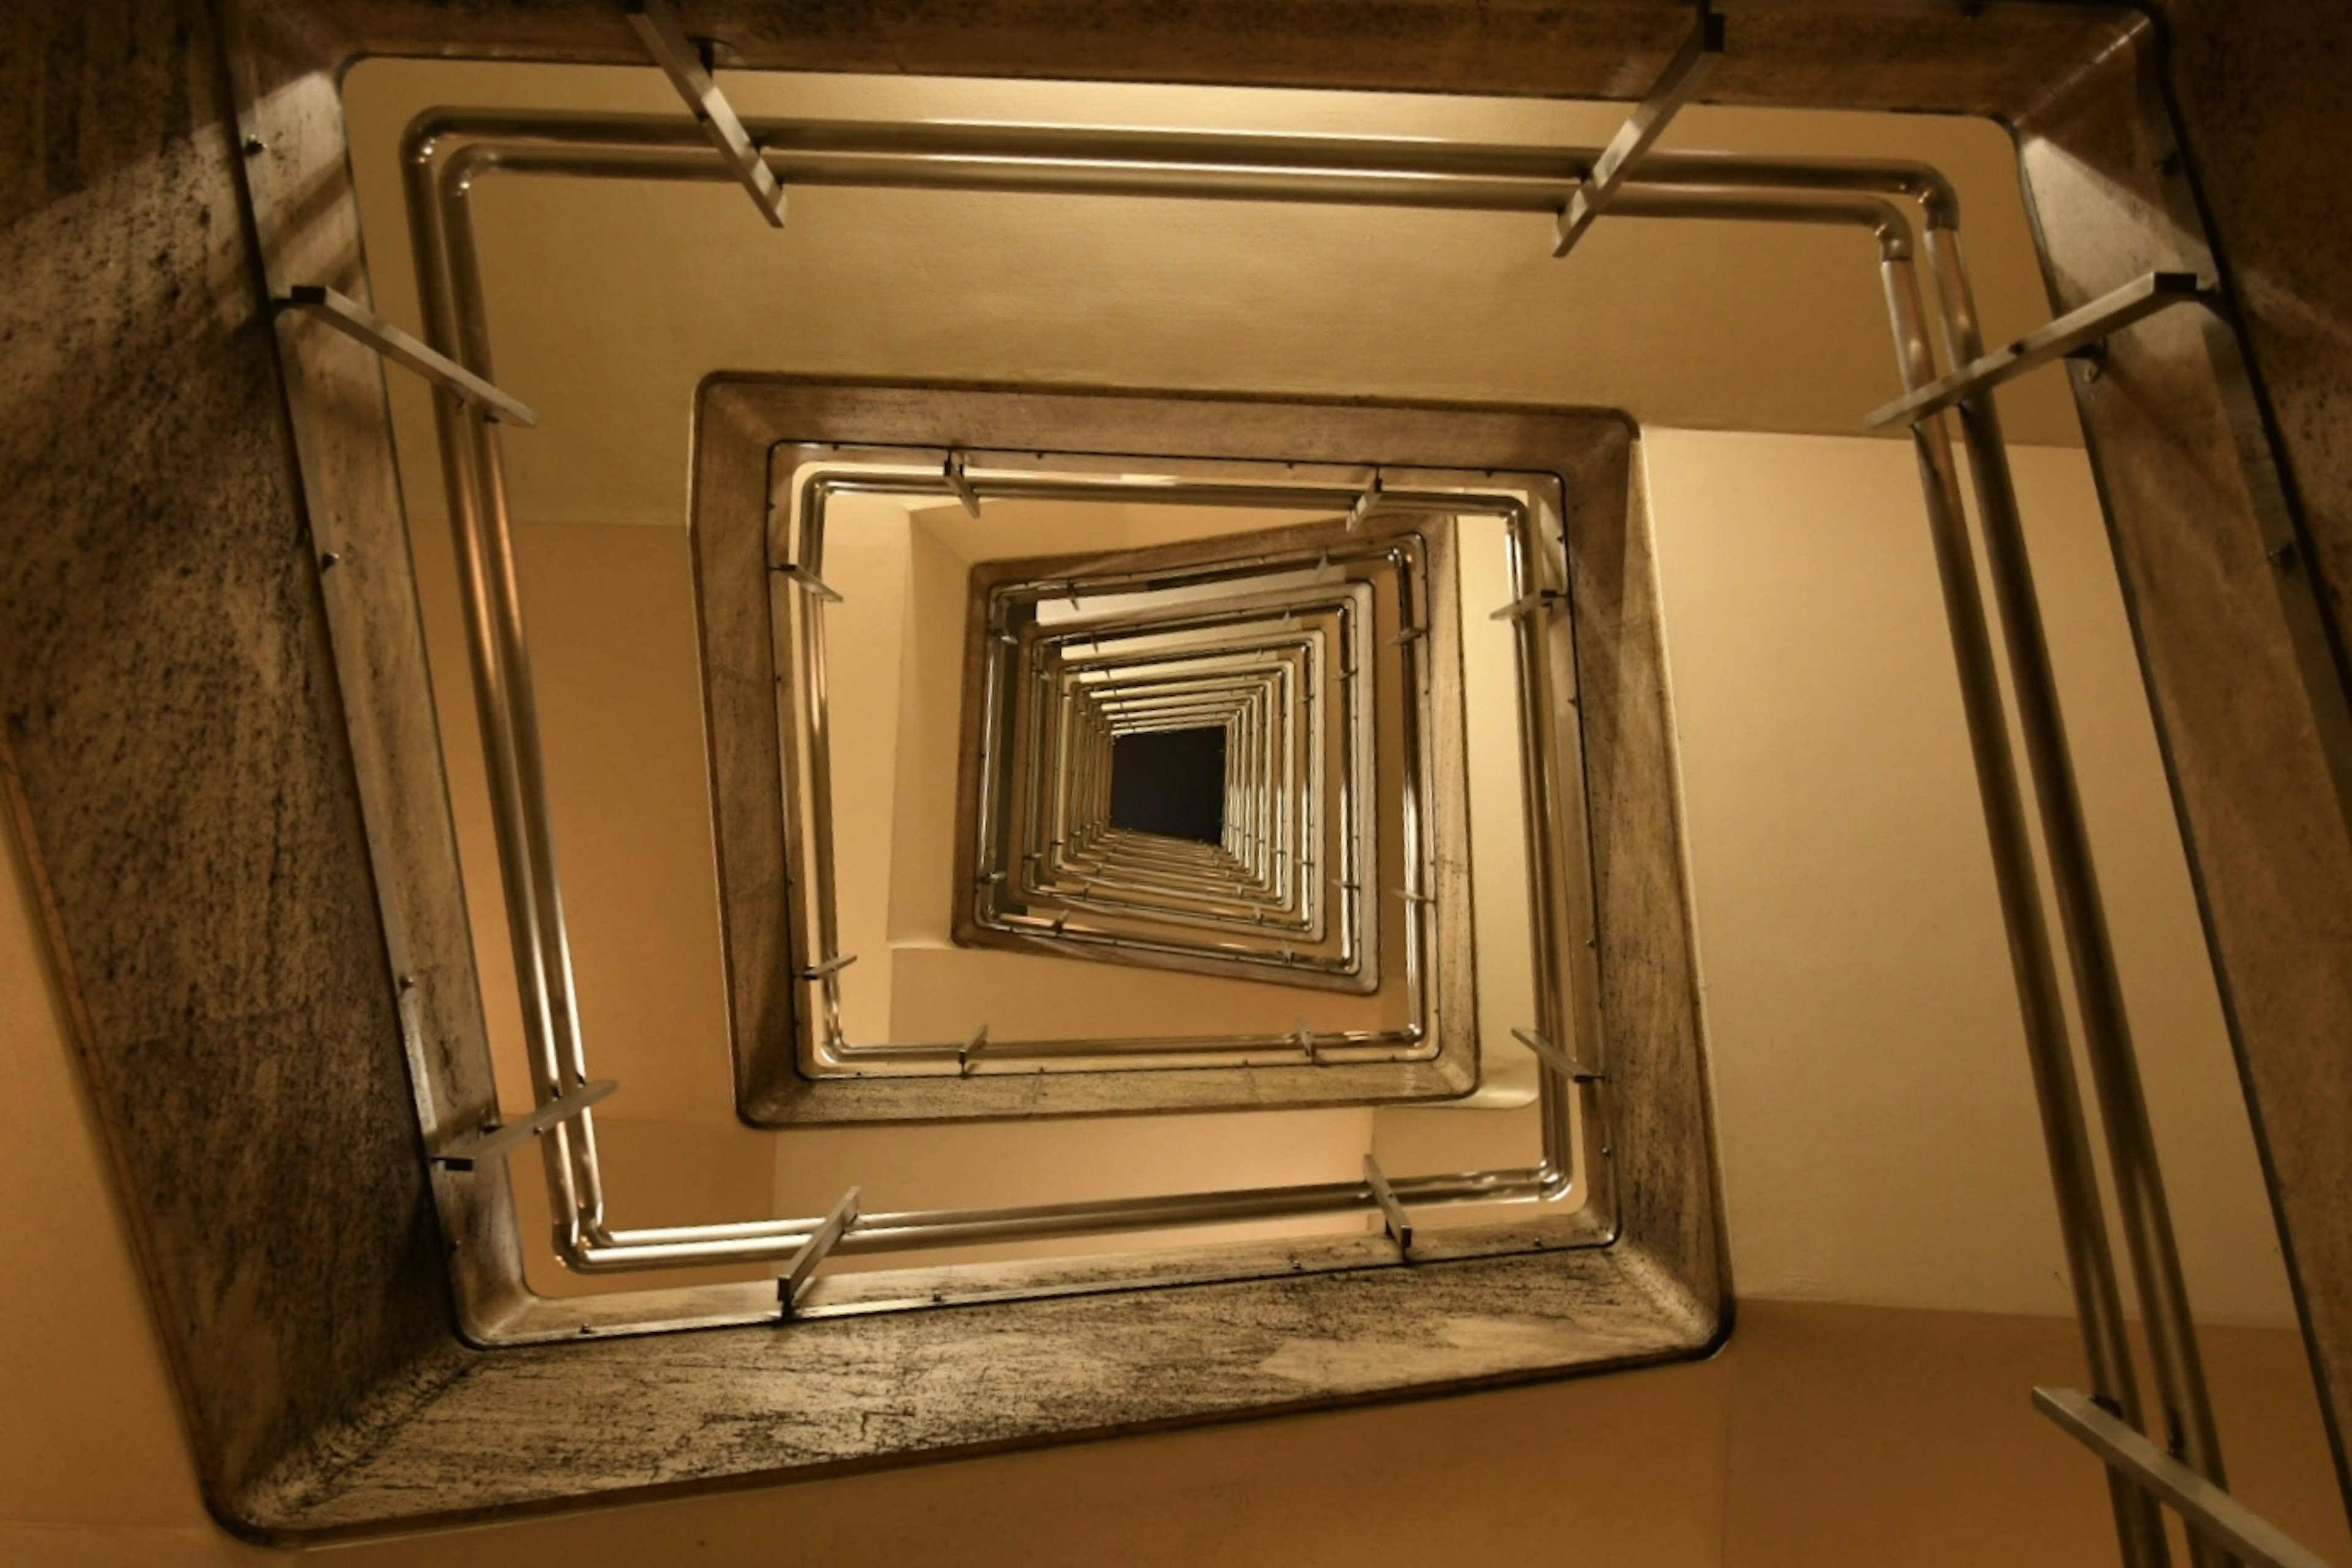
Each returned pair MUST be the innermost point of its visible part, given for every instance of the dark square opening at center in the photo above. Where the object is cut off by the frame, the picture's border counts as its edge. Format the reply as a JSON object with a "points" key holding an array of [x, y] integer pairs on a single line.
{"points": [[1170, 782]]}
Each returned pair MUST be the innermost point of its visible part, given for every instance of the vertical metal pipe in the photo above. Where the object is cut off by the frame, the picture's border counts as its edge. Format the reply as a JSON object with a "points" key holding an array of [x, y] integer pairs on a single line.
{"points": [[816, 790], [487, 538], [491, 677], [1420, 871], [2190, 1429], [1359, 791], [2081, 1221], [1540, 816]]}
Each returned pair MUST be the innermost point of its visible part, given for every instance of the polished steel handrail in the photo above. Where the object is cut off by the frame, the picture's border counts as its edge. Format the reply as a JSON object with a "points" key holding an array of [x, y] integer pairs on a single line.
{"points": [[427, 132], [1556, 1122], [1200, 687], [911, 477], [1346, 173], [1373, 172]]}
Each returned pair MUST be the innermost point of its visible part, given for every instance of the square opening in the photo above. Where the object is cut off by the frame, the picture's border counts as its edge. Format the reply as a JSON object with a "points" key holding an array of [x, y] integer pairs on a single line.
{"points": [[1169, 783]]}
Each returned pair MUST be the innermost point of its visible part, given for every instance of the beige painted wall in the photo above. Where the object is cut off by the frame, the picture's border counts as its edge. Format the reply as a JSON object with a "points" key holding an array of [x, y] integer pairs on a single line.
{"points": [[1879, 1131]]}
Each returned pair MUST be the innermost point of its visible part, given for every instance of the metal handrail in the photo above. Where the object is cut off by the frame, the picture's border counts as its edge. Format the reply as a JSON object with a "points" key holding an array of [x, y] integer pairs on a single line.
{"points": [[1482, 189], [1370, 171]]}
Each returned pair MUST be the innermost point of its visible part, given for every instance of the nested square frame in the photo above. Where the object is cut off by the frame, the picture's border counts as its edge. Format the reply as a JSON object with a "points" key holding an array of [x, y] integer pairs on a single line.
{"points": [[1317, 933], [1001, 904], [1284, 1067], [1029, 849], [335, 1392], [754, 543]]}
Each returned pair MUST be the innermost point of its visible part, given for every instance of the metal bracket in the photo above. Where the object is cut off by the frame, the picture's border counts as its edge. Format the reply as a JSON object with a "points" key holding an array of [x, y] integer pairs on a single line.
{"points": [[821, 1241], [1411, 634], [1306, 1038], [1541, 599], [953, 471], [465, 1153], [1699, 55], [355, 320], [813, 583], [1392, 1214], [2069, 334], [833, 965], [1559, 1060], [657, 29], [2208, 1509], [1366, 503], [968, 1052]]}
